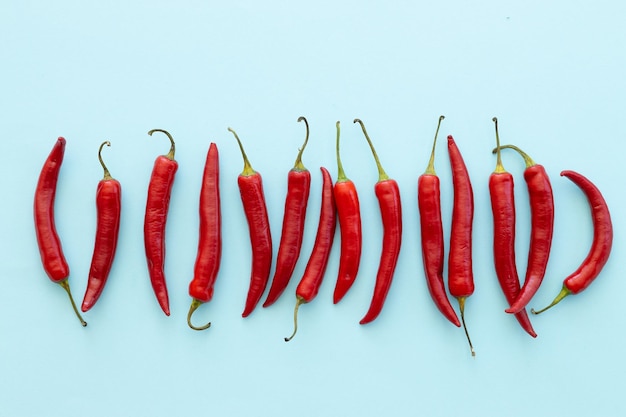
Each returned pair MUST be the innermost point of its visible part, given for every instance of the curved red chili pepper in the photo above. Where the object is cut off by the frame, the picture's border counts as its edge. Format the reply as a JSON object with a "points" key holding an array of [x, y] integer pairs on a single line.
{"points": [[542, 224], [601, 245], [210, 237], [460, 273], [429, 203], [298, 185], [157, 205], [349, 214], [253, 200], [388, 195], [50, 249], [316, 267], [109, 209], [503, 207]]}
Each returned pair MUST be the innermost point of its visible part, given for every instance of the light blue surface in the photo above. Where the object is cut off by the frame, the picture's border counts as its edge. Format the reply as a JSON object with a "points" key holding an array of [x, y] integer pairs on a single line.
{"points": [[552, 72]]}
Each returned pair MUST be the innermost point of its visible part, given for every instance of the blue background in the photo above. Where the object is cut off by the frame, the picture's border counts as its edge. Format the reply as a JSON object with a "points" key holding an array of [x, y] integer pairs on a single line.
{"points": [[552, 72]]}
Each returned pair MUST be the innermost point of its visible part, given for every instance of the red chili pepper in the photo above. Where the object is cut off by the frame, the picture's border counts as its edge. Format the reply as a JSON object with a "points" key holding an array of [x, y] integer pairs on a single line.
{"points": [[388, 195], [109, 209], [428, 198], [503, 207], [460, 273], [50, 249], [159, 191], [542, 224], [316, 267], [298, 185], [600, 247], [349, 213], [253, 200], [210, 237]]}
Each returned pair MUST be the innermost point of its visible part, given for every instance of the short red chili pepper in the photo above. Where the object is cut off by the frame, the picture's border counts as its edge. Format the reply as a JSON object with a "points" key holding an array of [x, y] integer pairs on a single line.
{"points": [[542, 224], [429, 203], [298, 186], [210, 237], [349, 214], [460, 273], [316, 267], [600, 247], [253, 200], [50, 249], [388, 195], [109, 209], [503, 207], [157, 206]]}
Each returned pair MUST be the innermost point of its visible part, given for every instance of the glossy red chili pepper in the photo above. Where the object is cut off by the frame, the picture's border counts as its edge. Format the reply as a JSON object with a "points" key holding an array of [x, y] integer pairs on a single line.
{"points": [[503, 207], [349, 214], [210, 237], [298, 186], [460, 273], [253, 200], [601, 245], [542, 224], [316, 267], [429, 203], [50, 249], [109, 209], [388, 195], [157, 205]]}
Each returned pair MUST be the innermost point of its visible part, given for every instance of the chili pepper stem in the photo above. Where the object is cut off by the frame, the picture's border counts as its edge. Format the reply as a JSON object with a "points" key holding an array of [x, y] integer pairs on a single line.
{"points": [[382, 175], [527, 159], [107, 174], [66, 286], [341, 175], [499, 166], [298, 165], [462, 309], [247, 167], [430, 169], [564, 293], [194, 306], [299, 302], [170, 154]]}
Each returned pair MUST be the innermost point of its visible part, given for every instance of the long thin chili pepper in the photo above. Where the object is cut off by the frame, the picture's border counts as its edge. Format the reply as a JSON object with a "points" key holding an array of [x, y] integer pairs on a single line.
{"points": [[50, 249], [298, 185], [388, 195], [429, 203], [503, 207], [210, 237], [542, 224], [316, 267], [601, 245], [109, 209], [349, 214], [460, 273], [253, 200], [157, 205]]}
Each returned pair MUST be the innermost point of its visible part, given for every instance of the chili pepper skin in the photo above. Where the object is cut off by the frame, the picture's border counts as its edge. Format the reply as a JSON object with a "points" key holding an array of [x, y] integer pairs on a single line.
{"points": [[501, 189], [253, 200], [157, 205], [298, 186], [109, 209], [601, 245], [429, 203], [50, 249], [316, 266], [349, 214], [388, 195], [210, 237]]}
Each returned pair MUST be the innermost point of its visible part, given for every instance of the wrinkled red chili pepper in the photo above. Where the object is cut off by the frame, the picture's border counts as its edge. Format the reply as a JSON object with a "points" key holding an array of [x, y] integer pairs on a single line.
{"points": [[542, 224], [157, 205], [349, 214], [316, 267], [600, 247], [429, 203], [209, 237], [109, 209], [253, 200], [50, 249], [388, 195], [298, 185], [460, 273], [503, 207]]}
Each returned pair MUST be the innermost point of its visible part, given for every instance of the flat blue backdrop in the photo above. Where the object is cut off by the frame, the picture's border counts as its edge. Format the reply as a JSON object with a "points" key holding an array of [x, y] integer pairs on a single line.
{"points": [[552, 72]]}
